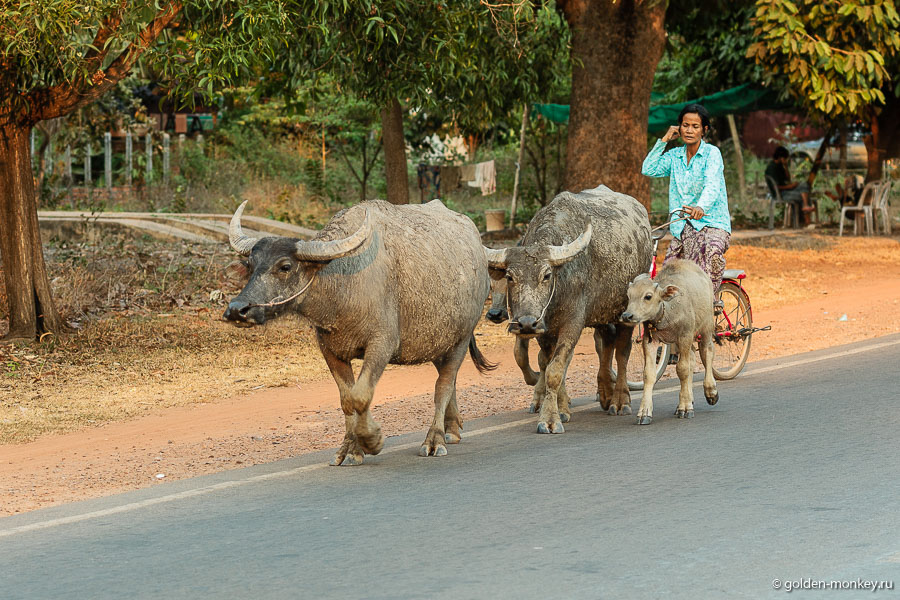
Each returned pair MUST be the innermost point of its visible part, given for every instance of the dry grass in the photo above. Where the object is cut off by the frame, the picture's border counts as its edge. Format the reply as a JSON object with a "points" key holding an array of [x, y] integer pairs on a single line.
{"points": [[150, 335]]}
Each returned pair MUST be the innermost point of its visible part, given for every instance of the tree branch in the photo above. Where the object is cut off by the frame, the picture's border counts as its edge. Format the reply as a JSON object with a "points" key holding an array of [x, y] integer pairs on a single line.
{"points": [[93, 58], [61, 99]]}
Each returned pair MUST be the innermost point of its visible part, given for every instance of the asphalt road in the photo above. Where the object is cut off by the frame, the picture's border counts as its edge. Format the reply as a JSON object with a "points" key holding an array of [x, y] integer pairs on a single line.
{"points": [[794, 476]]}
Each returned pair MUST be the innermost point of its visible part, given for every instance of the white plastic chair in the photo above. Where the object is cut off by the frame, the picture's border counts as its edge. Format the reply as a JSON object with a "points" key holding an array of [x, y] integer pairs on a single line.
{"points": [[881, 207], [864, 206]]}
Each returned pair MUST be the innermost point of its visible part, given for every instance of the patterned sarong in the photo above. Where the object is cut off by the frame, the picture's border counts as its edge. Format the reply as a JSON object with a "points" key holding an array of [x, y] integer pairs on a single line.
{"points": [[705, 247]]}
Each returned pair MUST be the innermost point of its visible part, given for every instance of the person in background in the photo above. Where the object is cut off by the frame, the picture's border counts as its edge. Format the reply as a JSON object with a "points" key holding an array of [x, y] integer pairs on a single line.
{"points": [[791, 191], [696, 185]]}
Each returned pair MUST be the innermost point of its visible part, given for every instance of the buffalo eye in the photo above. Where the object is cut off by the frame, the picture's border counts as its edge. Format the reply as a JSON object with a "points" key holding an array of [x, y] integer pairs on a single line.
{"points": [[648, 297], [285, 267], [509, 277], [547, 276]]}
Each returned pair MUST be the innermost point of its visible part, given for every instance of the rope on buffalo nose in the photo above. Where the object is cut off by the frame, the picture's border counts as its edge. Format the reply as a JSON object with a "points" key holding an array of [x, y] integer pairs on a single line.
{"points": [[540, 318], [277, 302]]}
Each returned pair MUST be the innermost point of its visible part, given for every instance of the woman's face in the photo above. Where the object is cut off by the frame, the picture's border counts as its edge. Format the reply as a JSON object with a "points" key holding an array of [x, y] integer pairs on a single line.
{"points": [[691, 128]]}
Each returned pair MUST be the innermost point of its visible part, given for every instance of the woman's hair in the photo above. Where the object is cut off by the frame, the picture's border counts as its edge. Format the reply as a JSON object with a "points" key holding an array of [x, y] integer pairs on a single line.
{"points": [[697, 109], [781, 152]]}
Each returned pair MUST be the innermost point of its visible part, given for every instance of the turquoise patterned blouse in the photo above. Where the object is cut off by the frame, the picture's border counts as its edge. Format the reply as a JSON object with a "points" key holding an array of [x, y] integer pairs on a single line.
{"points": [[702, 183]]}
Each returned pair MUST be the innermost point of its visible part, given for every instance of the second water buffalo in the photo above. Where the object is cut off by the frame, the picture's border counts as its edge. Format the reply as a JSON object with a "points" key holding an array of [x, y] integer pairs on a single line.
{"points": [[576, 260]]}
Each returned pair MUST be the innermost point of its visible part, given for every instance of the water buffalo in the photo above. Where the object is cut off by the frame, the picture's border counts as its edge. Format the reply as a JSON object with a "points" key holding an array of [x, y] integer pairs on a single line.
{"points": [[578, 256], [679, 306], [381, 283]]}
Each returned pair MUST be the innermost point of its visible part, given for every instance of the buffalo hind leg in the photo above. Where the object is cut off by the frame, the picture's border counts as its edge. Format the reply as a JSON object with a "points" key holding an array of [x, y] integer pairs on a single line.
{"points": [[350, 453], [613, 341], [444, 391], [707, 352], [453, 423]]}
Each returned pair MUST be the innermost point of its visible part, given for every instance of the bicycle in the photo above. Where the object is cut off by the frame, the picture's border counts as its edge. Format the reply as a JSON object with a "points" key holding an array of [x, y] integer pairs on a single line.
{"points": [[734, 326]]}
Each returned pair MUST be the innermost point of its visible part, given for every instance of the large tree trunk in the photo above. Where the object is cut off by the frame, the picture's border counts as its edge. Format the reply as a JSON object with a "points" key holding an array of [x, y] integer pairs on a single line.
{"points": [[615, 49], [31, 308], [394, 153]]}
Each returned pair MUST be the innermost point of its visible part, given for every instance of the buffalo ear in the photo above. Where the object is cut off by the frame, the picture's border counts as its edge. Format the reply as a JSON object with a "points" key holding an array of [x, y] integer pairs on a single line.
{"points": [[670, 292]]}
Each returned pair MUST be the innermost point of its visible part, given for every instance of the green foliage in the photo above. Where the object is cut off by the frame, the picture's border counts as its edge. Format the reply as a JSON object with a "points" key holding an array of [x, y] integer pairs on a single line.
{"points": [[832, 52], [706, 50], [69, 50]]}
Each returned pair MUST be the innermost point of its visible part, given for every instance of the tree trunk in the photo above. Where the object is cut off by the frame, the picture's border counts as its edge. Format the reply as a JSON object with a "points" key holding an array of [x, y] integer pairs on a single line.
{"points": [[817, 162], [615, 49], [394, 153], [31, 308]]}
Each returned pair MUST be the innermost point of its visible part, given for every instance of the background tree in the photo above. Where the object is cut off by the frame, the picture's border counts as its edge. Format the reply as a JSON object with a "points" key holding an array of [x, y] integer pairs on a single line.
{"points": [[58, 55], [616, 45], [837, 56], [441, 57]]}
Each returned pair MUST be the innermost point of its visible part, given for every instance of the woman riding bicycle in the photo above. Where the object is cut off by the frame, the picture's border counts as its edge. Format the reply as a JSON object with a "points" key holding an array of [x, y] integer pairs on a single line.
{"points": [[696, 186]]}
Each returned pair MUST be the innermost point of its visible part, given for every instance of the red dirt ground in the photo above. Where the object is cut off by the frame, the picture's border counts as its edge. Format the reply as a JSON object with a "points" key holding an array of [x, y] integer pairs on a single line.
{"points": [[283, 422]]}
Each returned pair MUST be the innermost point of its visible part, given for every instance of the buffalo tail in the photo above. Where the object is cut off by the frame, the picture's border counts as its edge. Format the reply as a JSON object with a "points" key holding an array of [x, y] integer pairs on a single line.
{"points": [[478, 358]]}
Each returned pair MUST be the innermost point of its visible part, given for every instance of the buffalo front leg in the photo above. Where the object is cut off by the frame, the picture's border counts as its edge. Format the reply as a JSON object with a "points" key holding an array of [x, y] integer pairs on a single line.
{"points": [[350, 453], [707, 352], [685, 370], [444, 391], [645, 411], [359, 419], [540, 386], [554, 375], [520, 352]]}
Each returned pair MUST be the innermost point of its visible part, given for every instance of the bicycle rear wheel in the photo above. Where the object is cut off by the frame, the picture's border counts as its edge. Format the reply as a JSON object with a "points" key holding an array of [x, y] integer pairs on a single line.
{"points": [[734, 329], [634, 371]]}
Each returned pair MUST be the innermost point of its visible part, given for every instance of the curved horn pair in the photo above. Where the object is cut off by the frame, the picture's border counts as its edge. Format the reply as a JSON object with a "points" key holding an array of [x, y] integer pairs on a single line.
{"points": [[304, 250], [497, 259]]}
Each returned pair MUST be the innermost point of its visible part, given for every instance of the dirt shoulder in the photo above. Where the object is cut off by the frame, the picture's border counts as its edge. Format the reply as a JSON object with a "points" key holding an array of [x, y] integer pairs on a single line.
{"points": [[815, 291]]}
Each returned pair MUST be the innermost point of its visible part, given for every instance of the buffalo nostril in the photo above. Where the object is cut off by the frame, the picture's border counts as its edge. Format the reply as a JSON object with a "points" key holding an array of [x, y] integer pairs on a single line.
{"points": [[527, 324], [237, 310]]}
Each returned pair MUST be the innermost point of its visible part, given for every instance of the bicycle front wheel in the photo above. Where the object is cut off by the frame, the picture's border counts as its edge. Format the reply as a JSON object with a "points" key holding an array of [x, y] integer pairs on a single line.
{"points": [[734, 330], [634, 370]]}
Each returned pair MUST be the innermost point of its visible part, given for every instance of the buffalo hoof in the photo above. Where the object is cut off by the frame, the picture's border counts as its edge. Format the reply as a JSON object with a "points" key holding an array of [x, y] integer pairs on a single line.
{"points": [[439, 450], [612, 410], [555, 427], [565, 417], [350, 460], [644, 420], [684, 414], [711, 400], [451, 438], [534, 407], [624, 410], [604, 404]]}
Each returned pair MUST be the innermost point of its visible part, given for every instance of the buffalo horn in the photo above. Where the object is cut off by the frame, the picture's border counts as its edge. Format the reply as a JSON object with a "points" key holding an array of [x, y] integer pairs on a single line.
{"points": [[496, 258], [323, 251], [240, 242], [560, 254]]}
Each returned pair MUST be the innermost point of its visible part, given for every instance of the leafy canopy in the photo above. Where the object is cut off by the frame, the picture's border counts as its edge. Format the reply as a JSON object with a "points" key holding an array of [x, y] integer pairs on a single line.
{"points": [[61, 54], [833, 52]]}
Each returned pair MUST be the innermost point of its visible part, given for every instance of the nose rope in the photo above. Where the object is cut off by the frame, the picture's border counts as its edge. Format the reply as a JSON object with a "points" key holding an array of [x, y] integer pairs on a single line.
{"points": [[277, 302], [540, 318]]}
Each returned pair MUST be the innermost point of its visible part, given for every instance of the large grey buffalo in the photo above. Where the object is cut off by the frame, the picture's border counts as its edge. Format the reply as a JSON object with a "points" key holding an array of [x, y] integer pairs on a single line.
{"points": [[572, 271], [381, 283]]}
